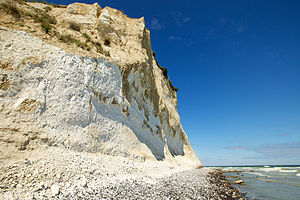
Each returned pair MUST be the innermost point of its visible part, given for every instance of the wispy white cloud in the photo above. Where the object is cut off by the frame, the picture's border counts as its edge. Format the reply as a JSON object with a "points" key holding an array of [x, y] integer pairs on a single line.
{"points": [[179, 18], [186, 19], [283, 134], [211, 34], [172, 37], [267, 151], [155, 24], [237, 27], [238, 148], [223, 21], [240, 28]]}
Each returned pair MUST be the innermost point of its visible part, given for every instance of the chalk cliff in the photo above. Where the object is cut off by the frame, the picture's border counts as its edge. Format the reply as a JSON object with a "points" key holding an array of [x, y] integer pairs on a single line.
{"points": [[85, 78]]}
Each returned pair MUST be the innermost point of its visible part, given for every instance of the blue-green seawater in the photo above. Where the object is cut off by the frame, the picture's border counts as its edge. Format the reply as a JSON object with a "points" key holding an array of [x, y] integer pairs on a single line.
{"points": [[268, 182]]}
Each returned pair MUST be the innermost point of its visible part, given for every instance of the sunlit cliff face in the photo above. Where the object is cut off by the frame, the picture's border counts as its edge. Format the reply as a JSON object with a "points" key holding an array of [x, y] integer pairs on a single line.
{"points": [[115, 100]]}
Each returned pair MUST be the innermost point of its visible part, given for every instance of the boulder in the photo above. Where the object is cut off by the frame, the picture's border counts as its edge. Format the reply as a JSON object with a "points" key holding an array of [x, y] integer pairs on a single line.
{"points": [[83, 14], [239, 182], [55, 189]]}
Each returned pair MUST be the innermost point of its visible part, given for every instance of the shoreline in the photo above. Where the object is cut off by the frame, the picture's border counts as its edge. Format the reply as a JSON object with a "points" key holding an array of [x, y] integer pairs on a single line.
{"points": [[62, 174], [228, 190], [265, 181]]}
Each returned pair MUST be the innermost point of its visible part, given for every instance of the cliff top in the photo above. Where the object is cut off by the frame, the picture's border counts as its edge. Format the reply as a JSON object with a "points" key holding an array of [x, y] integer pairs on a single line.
{"points": [[82, 29]]}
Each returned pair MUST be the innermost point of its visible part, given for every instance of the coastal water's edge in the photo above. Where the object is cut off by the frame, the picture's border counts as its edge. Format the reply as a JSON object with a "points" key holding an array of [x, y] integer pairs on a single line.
{"points": [[265, 182], [224, 186]]}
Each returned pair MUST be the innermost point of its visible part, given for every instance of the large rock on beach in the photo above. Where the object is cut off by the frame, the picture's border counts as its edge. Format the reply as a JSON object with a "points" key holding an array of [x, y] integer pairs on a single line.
{"points": [[239, 182]]}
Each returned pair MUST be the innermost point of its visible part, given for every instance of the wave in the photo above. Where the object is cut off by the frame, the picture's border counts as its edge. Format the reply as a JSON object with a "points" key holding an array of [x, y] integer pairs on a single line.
{"points": [[279, 169], [250, 168], [259, 174], [275, 169], [297, 168], [228, 168], [298, 174], [288, 171]]}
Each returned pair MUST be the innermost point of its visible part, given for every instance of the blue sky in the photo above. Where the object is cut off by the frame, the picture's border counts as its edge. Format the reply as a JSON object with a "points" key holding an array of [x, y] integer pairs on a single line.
{"points": [[237, 67]]}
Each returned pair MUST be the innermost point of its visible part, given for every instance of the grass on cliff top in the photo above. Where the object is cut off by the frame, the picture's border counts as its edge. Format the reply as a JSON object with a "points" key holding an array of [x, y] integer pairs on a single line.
{"points": [[69, 39], [45, 2], [39, 16], [84, 45], [87, 37], [97, 45], [42, 17], [11, 8]]}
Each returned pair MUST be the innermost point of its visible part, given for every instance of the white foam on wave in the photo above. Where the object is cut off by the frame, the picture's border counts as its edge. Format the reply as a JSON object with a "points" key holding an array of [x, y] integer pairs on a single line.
{"points": [[288, 171], [247, 168], [290, 168], [266, 166], [275, 169], [298, 174], [279, 169], [228, 167], [258, 174]]}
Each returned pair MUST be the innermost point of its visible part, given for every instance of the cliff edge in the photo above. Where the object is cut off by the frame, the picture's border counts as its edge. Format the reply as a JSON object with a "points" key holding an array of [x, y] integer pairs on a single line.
{"points": [[85, 78]]}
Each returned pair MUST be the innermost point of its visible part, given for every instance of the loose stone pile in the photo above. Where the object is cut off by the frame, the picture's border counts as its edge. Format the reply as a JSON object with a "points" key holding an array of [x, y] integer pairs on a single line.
{"points": [[68, 175], [191, 184]]}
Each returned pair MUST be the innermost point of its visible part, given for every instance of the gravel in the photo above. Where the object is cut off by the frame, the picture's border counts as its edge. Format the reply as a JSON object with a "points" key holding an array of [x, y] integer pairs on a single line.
{"points": [[69, 175]]}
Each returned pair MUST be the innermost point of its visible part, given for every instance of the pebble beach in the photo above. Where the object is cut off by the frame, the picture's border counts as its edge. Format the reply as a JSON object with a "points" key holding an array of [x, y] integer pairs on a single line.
{"points": [[64, 174]]}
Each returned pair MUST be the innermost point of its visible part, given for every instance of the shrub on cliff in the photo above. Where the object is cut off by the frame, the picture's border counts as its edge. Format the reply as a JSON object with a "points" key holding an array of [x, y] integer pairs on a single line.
{"points": [[98, 46], [11, 8], [69, 39], [106, 42], [42, 17], [164, 70], [46, 26], [74, 26], [87, 37], [47, 8], [172, 86], [165, 73]]}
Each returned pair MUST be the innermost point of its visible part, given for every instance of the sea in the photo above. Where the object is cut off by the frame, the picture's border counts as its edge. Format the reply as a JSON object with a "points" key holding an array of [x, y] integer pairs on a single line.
{"points": [[269, 182]]}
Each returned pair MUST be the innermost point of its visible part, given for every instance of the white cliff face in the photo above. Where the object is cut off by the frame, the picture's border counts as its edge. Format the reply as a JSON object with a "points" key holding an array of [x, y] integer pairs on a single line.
{"points": [[121, 105], [77, 101]]}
